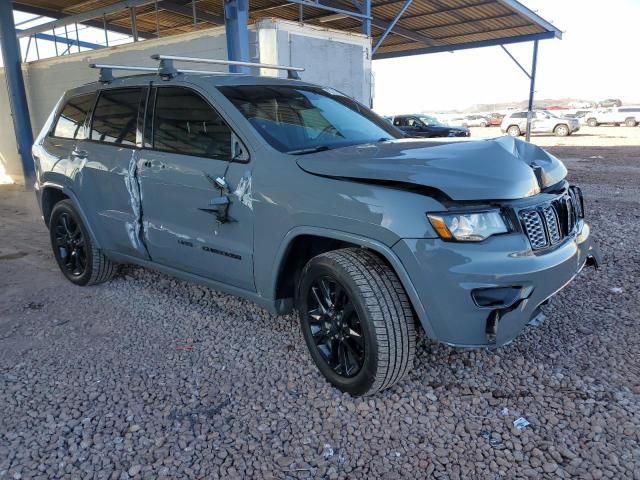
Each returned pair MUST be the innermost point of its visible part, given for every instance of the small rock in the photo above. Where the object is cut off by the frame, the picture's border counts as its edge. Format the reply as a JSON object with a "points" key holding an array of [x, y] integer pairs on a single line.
{"points": [[134, 470]]}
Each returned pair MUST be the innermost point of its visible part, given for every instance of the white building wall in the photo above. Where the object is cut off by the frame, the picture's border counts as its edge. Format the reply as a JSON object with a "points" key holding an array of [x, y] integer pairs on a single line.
{"points": [[331, 58]]}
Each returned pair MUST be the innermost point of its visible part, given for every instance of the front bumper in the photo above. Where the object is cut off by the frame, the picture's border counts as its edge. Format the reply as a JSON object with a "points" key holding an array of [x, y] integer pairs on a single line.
{"points": [[445, 274]]}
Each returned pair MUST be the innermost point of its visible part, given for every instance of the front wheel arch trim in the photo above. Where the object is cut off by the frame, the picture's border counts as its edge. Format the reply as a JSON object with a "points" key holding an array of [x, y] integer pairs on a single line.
{"points": [[385, 251], [76, 204]]}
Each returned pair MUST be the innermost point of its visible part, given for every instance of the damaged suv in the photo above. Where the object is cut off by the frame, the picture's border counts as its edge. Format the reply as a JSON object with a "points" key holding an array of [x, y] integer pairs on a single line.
{"points": [[295, 196]]}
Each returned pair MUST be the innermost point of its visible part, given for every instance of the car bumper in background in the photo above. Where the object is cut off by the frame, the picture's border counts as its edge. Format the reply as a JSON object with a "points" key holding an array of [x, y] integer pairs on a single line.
{"points": [[484, 294]]}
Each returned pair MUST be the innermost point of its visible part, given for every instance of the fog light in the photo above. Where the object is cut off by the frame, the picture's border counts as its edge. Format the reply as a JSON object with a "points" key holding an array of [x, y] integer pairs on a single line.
{"points": [[499, 297]]}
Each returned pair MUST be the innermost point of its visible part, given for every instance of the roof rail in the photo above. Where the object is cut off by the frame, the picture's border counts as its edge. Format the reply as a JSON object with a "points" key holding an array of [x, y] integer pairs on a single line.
{"points": [[166, 62]]}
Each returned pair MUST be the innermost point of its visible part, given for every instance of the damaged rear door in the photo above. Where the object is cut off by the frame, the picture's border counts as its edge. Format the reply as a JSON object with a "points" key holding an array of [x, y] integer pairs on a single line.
{"points": [[109, 158], [190, 222]]}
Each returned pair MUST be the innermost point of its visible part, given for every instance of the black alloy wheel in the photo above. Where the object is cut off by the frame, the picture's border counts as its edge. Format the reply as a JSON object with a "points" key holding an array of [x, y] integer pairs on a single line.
{"points": [[356, 320], [79, 259], [70, 247], [335, 326]]}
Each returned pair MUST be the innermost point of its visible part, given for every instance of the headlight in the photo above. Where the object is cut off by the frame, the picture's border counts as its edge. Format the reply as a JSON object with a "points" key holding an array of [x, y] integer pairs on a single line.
{"points": [[468, 227]]}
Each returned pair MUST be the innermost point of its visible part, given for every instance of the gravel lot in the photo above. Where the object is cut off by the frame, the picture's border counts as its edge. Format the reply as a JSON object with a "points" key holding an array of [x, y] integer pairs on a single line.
{"points": [[151, 377]]}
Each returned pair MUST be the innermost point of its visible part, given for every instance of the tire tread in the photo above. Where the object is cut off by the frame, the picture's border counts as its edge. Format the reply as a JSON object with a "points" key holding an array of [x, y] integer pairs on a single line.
{"points": [[390, 309]]}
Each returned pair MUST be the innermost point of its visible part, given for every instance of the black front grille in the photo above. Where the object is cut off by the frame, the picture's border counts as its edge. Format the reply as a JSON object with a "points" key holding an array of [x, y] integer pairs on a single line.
{"points": [[548, 224]]}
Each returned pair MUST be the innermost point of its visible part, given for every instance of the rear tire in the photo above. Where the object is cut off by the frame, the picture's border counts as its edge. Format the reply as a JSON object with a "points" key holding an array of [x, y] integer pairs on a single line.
{"points": [[630, 122], [592, 122], [77, 256], [351, 301], [514, 131], [484, 124]]}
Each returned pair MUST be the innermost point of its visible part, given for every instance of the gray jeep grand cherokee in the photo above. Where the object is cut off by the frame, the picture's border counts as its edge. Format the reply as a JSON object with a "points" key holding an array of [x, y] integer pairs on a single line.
{"points": [[295, 196]]}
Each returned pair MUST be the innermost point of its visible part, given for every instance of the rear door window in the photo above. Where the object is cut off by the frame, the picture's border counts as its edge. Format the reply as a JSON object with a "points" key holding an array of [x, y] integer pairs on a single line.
{"points": [[185, 123], [116, 116], [70, 121]]}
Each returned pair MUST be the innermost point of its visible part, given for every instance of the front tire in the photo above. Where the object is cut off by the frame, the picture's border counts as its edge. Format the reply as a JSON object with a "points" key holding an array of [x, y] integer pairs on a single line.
{"points": [[592, 122], [630, 122], [561, 130], [78, 258], [356, 320]]}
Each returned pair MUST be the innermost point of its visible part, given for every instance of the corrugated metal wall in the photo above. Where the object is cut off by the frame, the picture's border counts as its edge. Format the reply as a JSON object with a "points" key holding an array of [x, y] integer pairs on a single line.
{"points": [[332, 58]]}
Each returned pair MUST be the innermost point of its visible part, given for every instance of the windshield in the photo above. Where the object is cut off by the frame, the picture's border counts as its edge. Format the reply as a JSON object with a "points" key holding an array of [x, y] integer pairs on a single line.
{"points": [[429, 121], [300, 120]]}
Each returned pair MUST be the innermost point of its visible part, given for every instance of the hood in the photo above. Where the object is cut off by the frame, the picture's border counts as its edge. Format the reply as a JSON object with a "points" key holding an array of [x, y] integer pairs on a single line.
{"points": [[504, 168]]}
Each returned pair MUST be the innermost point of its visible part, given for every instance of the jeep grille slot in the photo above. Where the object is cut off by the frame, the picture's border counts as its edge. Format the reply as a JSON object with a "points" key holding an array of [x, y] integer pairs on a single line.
{"points": [[548, 224], [533, 227]]}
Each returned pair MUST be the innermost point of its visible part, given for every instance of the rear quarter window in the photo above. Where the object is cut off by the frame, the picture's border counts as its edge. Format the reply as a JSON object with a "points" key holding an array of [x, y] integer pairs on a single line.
{"points": [[72, 117], [116, 115]]}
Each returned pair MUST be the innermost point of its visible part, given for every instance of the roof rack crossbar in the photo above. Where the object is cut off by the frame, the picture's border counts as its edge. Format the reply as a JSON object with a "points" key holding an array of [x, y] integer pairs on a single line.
{"points": [[106, 71], [292, 72]]}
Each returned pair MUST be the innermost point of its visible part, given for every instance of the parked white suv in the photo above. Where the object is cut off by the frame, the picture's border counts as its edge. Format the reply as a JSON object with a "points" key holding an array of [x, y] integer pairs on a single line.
{"points": [[629, 115], [543, 121]]}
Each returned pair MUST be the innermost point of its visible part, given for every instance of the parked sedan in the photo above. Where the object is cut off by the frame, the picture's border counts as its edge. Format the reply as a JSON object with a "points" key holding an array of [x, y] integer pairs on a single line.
{"points": [[426, 126]]}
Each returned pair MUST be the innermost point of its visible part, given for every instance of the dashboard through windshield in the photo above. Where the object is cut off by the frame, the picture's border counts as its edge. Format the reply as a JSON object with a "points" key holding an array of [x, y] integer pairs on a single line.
{"points": [[306, 119]]}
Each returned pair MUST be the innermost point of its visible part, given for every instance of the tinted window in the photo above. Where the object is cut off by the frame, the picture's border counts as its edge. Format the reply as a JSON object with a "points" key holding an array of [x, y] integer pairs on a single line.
{"points": [[519, 115], [629, 109], [297, 120], [116, 116], [70, 122], [185, 123]]}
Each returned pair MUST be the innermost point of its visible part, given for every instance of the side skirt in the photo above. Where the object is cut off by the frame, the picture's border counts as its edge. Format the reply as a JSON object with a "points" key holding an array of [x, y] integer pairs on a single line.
{"points": [[275, 307]]}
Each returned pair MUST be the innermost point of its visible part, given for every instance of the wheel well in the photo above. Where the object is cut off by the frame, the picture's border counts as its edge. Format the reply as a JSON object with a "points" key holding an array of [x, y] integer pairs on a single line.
{"points": [[302, 249], [51, 196]]}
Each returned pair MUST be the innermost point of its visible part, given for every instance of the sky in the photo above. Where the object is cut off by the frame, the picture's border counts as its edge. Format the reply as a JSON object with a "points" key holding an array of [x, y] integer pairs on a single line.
{"points": [[597, 58]]}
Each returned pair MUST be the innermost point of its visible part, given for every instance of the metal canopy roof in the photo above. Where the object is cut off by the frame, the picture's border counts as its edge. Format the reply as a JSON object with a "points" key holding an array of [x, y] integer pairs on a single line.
{"points": [[406, 27]]}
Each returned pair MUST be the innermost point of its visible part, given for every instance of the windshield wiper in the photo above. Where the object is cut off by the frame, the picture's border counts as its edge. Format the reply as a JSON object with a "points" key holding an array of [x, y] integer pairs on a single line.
{"points": [[304, 151]]}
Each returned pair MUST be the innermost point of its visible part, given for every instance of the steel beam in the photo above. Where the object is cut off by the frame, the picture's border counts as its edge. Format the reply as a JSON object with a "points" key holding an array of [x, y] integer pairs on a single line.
{"points": [[389, 28], [330, 6], [532, 86], [465, 46], [515, 60], [188, 12], [366, 23], [236, 16], [84, 16], [532, 16], [334, 6], [15, 90], [45, 12], [57, 38]]}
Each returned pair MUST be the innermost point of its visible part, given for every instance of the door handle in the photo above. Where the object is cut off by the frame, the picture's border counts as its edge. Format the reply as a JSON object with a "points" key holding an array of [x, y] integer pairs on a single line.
{"points": [[219, 206], [78, 153]]}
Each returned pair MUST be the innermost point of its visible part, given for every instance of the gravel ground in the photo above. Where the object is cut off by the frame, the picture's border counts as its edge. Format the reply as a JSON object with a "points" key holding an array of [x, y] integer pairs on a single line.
{"points": [[152, 377]]}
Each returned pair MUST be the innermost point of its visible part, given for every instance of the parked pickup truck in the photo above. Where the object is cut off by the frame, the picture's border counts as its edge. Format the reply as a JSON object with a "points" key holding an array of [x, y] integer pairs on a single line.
{"points": [[629, 115], [293, 195]]}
